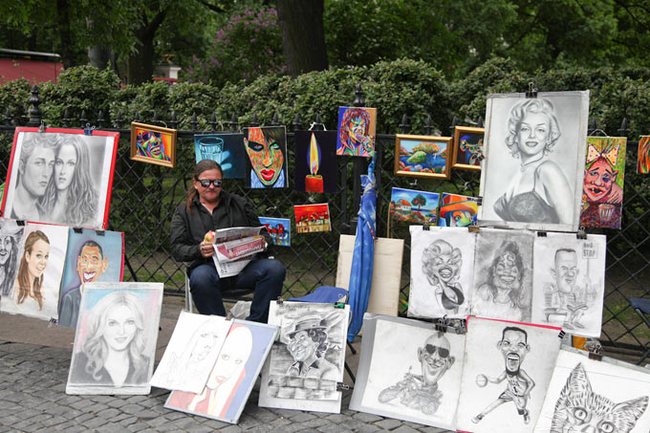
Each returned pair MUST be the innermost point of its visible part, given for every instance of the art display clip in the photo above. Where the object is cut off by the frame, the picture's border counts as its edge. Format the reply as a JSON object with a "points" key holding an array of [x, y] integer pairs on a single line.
{"points": [[280, 301], [41, 127], [561, 334], [473, 229], [78, 230], [339, 305], [595, 349], [541, 234], [581, 233], [340, 386], [100, 232], [88, 130], [532, 90], [425, 226], [444, 324]]}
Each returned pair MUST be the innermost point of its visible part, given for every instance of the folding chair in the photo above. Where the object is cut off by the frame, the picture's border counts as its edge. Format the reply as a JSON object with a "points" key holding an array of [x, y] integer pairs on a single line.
{"points": [[642, 308]]}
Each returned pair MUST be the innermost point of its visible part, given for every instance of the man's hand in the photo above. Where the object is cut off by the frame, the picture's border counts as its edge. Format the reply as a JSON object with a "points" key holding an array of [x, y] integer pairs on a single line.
{"points": [[207, 250]]}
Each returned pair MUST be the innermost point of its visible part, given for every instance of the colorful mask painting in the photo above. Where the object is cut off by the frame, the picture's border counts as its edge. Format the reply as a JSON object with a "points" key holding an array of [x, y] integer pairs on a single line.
{"points": [[422, 156], [227, 149], [279, 229], [457, 210], [316, 163], [468, 147], [356, 131], [643, 158], [267, 156], [312, 218], [602, 194]]}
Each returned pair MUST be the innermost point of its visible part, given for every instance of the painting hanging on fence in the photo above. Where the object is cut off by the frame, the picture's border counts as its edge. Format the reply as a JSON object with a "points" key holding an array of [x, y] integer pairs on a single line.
{"points": [[60, 176], [40, 268], [316, 167], [227, 149], [442, 268], [408, 370], [508, 366], [356, 131], [602, 194], [468, 147], [232, 379], [423, 156], [153, 144], [409, 206], [457, 210], [91, 256], [12, 240], [643, 155], [312, 218], [117, 328], [534, 160], [588, 395], [503, 274], [279, 229], [266, 164], [307, 361]]}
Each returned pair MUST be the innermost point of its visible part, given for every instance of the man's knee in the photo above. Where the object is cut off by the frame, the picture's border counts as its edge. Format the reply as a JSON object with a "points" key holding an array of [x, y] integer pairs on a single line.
{"points": [[275, 270], [203, 278]]}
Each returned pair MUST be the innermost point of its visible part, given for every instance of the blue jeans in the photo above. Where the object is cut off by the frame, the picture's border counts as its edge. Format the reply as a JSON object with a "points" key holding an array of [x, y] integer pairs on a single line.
{"points": [[265, 276]]}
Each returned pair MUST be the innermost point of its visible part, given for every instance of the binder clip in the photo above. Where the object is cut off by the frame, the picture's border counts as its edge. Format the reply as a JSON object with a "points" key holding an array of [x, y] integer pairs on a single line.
{"points": [[473, 229], [541, 234], [20, 222], [52, 322], [41, 127], [581, 233], [442, 324], [595, 349], [339, 305], [479, 200], [78, 230], [280, 301], [462, 327], [425, 226], [340, 386], [88, 130], [561, 334], [100, 232], [532, 90]]}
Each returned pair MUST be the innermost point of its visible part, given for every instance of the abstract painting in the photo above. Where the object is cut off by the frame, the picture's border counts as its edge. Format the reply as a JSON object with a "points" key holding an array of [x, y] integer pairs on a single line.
{"points": [[356, 131], [316, 165], [312, 218], [91, 256], [115, 341], [307, 361], [279, 229], [457, 210], [225, 148], [442, 271], [266, 164], [423, 156], [232, 379], [534, 160], [60, 176], [409, 371], [569, 282], [410, 206], [12, 240], [602, 194], [508, 366], [468, 147], [153, 144], [643, 155]]}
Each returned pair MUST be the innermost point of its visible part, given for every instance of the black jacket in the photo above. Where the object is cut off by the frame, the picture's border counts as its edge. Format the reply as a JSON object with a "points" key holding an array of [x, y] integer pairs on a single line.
{"points": [[188, 229]]}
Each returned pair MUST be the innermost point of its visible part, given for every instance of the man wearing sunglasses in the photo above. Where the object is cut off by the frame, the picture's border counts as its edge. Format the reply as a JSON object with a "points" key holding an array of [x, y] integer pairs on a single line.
{"points": [[208, 208]]}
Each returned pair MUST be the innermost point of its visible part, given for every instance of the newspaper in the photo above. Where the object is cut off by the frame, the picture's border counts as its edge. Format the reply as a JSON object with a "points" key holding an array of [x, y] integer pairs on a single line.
{"points": [[234, 248]]}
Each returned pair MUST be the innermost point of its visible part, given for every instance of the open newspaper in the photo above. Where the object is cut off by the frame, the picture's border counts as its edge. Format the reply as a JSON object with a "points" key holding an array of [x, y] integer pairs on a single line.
{"points": [[234, 248]]}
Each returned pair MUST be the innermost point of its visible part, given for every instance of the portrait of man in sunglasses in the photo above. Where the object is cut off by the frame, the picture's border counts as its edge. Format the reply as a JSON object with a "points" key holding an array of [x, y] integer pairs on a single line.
{"points": [[421, 392]]}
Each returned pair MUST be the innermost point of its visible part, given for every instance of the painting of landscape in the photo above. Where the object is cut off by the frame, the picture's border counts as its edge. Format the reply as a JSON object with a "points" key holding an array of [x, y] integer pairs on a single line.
{"points": [[412, 207], [422, 156]]}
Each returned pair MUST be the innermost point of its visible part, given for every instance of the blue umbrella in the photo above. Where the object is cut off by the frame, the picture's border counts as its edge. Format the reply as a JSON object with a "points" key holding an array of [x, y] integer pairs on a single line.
{"points": [[364, 251]]}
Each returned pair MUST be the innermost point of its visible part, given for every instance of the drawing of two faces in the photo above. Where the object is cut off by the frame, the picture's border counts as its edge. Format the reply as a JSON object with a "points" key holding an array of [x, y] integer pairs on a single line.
{"points": [[265, 148]]}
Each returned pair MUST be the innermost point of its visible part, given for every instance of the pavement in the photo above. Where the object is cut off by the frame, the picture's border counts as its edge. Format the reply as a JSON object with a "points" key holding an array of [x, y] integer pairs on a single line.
{"points": [[34, 364]]}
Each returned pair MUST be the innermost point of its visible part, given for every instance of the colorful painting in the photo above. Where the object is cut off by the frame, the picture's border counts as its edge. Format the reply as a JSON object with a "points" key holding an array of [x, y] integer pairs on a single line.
{"points": [[153, 144], [643, 157], [279, 229], [422, 156], [356, 129], [602, 194], [413, 207], [267, 157], [316, 166], [457, 210], [227, 149], [468, 147], [312, 218]]}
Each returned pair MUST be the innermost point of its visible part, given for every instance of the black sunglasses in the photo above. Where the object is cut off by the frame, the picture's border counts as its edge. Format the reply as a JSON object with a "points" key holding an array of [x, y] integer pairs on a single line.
{"points": [[431, 349], [205, 183]]}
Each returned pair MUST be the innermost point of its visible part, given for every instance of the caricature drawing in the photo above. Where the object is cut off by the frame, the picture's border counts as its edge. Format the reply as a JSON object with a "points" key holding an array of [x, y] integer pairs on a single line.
{"points": [[308, 343], [10, 238], [441, 264], [563, 296]]}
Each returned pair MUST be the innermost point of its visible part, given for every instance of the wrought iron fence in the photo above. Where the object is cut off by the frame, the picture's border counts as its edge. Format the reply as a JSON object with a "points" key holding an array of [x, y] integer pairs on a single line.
{"points": [[145, 196]]}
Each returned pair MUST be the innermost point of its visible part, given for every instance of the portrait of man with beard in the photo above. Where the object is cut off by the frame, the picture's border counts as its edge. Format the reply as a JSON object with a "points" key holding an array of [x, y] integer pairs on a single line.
{"points": [[10, 241]]}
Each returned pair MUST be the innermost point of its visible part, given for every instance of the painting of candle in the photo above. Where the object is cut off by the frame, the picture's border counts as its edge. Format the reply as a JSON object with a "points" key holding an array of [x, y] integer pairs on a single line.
{"points": [[316, 164], [643, 158], [279, 229], [227, 149], [312, 218]]}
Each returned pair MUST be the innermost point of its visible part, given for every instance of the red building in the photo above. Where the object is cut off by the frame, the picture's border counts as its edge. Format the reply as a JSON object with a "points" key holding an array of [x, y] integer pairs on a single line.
{"points": [[33, 66]]}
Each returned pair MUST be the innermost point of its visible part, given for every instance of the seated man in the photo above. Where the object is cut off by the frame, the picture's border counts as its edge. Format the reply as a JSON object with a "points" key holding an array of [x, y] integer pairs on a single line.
{"points": [[209, 208]]}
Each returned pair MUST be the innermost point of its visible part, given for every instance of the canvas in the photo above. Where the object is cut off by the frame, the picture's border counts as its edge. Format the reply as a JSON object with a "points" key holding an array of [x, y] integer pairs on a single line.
{"points": [[153, 144], [117, 327], [40, 268], [503, 275], [307, 360], [60, 176], [312, 218], [356, 131], [602, 193], [534, 160], [191, 352], [233, 376], [588, 395], [12, 240], [225, 148], [316, 167], [279, 229], [569, 282], [457, 210], [508, 366], [643, 155], [91, 256], [266, 165], [409, 206], [468, 147], [442, 268], [423, 156]]}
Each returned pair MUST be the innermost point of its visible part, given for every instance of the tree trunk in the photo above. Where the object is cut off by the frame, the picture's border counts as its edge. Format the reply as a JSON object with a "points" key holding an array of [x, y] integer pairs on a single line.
{"points": [[65, 35], [140, 65], [303, 37]]}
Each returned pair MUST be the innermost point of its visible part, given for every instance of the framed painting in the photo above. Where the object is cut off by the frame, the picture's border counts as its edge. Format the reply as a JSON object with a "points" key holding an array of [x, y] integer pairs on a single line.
{"points": [[457, 210], [643, 155], [533, 170], [316, 167], [153, 144], [12, 239], [423, 156], [267, 160], [356, 131], [227, 149], [279, 229], [468, 147], [49, 173], [312, 218]]}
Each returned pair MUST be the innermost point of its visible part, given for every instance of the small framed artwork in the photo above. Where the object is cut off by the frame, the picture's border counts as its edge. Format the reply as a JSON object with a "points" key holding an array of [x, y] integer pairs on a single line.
{"points": [[422, 156], [279, 229], [153, 144], [312, 218], [356, 129], [468, 147]]}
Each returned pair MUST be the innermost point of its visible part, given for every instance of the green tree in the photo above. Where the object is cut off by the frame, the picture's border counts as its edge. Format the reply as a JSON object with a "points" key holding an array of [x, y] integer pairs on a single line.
{"points": [[419, 200]]}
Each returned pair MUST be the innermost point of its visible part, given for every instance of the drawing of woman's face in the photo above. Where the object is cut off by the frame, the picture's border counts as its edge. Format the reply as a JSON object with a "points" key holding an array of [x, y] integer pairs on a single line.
{"points": [[232, 358], [37, 258], [6, 245], [120, 328], [266, 158], [507, 273], [205, 343], [533, 133], [599, 179], [445, 267], [64, 166]]}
